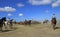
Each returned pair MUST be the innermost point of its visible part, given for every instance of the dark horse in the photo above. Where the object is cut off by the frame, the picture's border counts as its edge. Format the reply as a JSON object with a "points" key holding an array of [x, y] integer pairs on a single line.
{"points": [[2, 20], [53, 22], [46, 21], [11, 23], [27, 22]]}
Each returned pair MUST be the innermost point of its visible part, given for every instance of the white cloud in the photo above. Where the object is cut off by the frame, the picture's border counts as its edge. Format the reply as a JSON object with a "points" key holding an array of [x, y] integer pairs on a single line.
{"points": [[7, 9], [56, 4], [20, 5], [20, 14], [47, 11], [40, 2], [9, 14]]}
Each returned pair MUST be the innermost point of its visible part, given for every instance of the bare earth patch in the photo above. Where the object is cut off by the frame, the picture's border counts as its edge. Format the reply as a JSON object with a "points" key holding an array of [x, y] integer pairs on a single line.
{"points": [[38, 30]]}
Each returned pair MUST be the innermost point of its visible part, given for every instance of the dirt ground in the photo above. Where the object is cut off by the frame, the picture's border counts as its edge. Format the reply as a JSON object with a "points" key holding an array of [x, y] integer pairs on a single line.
{"points": [[38, 30]]}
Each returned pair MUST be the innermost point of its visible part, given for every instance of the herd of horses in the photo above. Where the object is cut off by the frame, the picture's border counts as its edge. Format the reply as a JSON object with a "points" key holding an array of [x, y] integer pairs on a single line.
{"points": [[4, 22], [53, 22]]}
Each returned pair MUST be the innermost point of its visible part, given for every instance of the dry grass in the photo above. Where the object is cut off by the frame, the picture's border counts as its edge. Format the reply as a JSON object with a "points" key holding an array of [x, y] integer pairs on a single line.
{"points": [[39, 30]]}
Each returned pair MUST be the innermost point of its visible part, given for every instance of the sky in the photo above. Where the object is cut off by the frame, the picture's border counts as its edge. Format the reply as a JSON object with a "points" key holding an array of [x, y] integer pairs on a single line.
{"points": [[20, 10]]}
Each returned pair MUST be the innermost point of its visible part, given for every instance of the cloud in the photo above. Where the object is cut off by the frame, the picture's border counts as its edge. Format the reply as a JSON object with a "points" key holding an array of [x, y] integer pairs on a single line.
{"points": [[20, 14], [47, 11], [9, 14], [39, 2], [7, 9], [56, 4], [20, 5]]}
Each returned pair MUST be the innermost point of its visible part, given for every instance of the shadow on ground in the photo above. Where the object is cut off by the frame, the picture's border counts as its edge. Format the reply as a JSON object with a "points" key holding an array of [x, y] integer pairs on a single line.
{"points": [[8, 30], [57, 28], [5, 30]]}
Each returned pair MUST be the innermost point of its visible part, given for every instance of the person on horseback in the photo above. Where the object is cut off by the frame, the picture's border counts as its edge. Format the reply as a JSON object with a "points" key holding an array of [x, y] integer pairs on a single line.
{"points": [[53, 21]]}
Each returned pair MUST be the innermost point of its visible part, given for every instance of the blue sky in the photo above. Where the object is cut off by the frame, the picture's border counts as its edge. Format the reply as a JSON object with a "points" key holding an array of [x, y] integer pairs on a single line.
{"points": [[30, 9]]}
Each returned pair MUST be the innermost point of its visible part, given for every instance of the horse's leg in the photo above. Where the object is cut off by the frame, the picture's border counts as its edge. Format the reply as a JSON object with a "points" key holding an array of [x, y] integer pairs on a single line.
{"points": [[1, 28], [54, 26], [11, 25], [29, 24], [5, 26]]}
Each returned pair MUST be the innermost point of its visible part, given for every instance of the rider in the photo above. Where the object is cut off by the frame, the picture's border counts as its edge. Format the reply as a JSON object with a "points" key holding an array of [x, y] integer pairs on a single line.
{"points": [[53, 16], [53, 21]]}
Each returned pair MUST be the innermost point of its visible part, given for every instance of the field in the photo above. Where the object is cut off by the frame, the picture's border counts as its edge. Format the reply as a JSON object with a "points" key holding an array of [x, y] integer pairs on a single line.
{"points": [[37, 30]]}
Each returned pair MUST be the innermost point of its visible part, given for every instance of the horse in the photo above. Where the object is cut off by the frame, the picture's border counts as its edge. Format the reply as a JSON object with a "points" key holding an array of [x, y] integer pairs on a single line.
{"points": [[2, 20], [9, 22], [27, 22], [53, 22], [6, 24], [45, 21]]}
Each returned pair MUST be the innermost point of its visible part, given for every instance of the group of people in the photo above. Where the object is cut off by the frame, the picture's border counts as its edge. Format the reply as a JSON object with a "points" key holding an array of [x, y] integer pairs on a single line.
{"points": [[5, 22], [53, 22]]}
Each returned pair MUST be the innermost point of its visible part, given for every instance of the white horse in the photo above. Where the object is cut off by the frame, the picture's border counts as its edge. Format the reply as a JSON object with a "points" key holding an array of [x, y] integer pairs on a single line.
{"points": [[6, 24], [9, 24]]}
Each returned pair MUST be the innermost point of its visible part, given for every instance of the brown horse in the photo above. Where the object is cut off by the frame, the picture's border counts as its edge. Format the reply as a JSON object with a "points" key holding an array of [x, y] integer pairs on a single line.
{"points": [[46, 21], [27, 22], [53, 22]]}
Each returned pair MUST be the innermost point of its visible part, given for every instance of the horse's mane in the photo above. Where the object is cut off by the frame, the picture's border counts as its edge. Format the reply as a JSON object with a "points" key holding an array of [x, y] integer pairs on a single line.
{"points": [[4, 19]]}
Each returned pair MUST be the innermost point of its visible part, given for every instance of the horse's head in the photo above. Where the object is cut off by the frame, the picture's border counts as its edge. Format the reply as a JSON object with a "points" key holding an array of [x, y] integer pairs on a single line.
{"points": [[3, 19]]}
